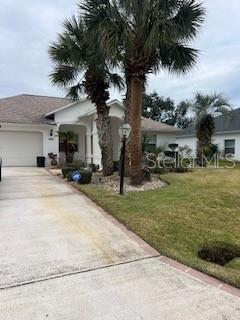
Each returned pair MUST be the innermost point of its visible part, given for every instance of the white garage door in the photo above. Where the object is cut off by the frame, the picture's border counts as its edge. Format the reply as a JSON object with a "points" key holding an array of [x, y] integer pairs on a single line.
{"points": [[20, 148]]}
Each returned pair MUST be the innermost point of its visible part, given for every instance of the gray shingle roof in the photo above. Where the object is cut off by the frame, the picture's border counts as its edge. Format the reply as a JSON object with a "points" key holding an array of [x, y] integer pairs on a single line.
{"points": [[32, 109], [149, 125], [222, 124], [29, 109]]}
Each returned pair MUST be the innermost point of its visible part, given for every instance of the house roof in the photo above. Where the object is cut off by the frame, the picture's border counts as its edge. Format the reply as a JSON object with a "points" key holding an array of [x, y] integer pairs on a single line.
{"points": [[34, 109], [222, 124], [29, 109], [149, 125]]}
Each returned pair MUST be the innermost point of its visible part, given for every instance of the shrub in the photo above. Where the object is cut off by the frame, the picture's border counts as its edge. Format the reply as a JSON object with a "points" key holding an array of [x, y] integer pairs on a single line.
{"points": [[211, 150], [159, 170], [185, 152], [159, 150], [66, 171], [86, 176], [173, 146], [69, 175], [150, 160], [186, 162], [170, 154], [76, 165]]}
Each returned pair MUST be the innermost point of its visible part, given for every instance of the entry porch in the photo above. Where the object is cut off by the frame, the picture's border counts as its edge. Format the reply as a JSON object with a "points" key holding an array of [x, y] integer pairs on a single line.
{"points": [[86, 140]]}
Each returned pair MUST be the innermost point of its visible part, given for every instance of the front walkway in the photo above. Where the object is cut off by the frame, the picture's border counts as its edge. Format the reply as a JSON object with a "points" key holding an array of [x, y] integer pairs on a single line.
{"points": [[62, 257]]}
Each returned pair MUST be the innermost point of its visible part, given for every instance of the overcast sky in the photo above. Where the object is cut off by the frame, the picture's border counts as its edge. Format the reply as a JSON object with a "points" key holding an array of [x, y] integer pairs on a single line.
{"points": [[27, 27]]}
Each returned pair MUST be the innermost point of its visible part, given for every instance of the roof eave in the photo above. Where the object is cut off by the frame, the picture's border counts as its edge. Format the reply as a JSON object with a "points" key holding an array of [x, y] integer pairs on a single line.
{"points": [[115, 101], [63, 108], [159, 131], [44, 124], [216, 133], [110, 103]]}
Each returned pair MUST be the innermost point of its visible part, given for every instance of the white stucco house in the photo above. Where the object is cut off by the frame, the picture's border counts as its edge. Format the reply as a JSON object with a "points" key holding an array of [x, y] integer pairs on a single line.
{"points": [[30, 126], [227, 135]]}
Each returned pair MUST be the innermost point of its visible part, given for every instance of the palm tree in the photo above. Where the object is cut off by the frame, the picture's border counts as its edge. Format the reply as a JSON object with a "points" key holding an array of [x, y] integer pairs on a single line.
{"points": [[81, 67], [146, 36], [206, 107]]}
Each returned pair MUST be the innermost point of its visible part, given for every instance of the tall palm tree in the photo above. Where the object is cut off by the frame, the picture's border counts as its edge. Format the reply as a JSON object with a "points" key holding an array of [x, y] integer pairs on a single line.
{"points": [[206, 107], [80, 66], [147, 36]]}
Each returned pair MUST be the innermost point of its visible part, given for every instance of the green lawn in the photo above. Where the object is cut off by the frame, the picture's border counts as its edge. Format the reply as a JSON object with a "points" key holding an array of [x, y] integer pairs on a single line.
{"points": [[196, 209]]}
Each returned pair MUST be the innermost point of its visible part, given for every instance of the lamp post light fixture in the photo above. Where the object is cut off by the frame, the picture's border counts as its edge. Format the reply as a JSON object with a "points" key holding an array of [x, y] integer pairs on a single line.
{"points": [[124, 132]]}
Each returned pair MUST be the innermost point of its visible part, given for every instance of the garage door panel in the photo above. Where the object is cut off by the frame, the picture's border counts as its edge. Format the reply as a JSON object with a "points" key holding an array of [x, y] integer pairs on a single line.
{"points": [[20, 148]]}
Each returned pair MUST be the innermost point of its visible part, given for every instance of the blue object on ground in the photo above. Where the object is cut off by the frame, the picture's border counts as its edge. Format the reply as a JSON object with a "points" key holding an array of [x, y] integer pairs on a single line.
{"points": [[76, 176]]}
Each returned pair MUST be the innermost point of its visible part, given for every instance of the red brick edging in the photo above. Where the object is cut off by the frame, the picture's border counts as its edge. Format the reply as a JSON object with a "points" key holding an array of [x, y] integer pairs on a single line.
{"points": [[201, 276]]}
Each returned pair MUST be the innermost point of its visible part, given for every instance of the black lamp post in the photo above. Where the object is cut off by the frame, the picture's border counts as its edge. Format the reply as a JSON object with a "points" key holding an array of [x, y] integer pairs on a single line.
{"points": [[124, 133]]}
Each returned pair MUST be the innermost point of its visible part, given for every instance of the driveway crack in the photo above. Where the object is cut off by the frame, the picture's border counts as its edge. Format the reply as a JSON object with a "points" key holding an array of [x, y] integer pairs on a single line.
{"points": [[63, 275]]}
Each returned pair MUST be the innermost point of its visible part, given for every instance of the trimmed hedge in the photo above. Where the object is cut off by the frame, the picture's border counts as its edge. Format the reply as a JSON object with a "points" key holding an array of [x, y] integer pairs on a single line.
{"points": [[66, 171], [86, 177]]}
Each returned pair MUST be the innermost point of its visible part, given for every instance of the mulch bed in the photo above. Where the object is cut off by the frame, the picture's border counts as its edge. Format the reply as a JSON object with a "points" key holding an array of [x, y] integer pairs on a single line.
{"points": [[112, 183]]}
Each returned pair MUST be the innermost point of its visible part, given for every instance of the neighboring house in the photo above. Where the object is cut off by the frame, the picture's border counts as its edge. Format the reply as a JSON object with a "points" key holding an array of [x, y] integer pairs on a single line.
{"points": [[227, 135], [29, 127]]}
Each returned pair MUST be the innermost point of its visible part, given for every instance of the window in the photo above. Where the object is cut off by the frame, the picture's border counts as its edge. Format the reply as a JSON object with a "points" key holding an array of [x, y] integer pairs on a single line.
{"points": [[230, 147], [62, 146], [150, 143]]}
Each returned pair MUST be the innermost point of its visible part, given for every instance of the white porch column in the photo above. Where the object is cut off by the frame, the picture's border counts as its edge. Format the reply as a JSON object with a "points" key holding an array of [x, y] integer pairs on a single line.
{"points": [[97, 155], [89, 144]]}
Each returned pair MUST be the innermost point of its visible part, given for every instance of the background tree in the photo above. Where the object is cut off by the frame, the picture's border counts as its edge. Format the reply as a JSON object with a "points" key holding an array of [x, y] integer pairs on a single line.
{"points": [[157, 108], [205, 108], [164, 110], [80, 67], [181, 118], [145, 36]]}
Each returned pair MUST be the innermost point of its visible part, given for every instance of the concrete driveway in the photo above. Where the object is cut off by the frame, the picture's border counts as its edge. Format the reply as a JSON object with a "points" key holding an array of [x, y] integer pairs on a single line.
{"points": [[62, 257]]}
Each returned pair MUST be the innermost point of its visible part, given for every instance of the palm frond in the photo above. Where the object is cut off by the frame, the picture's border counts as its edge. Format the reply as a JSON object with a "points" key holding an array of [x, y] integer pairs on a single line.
{"points": [[74, 26], [75, 92], [178, 58], [77, 53], [116, 80], [215, 104], [70, 46], [189, 19], [64, 75], [112, 27], [154, 32]]}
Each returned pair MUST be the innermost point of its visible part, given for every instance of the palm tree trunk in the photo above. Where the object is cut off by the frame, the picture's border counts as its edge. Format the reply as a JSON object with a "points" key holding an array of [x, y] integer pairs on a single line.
{"points": [[127, 108], [200, 154], [135, 144], [127, 103], [205, 132], [105, 140]]}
